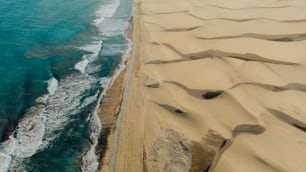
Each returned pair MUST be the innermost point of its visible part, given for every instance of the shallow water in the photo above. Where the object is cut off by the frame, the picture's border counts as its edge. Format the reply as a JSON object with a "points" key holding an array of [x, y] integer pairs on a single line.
{"points": [[55, 59]]}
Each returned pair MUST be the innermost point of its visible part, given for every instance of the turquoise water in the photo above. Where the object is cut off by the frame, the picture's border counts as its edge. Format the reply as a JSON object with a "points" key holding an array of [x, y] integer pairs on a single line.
{"points": [[56, 58]]}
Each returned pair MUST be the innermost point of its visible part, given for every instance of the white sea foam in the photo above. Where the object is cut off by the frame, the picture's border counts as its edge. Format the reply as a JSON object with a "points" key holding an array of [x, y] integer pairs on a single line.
{"points": [[64, 104], [52, 85], [31, 128], [9, 145], [81, 65], [18, 164], [87, 101], [89, 160], [28, 135], [4, 162], [113, 49], [29, 132], [35, 131], [106, 11], [40, 124], [113, 27], [93, 47]]}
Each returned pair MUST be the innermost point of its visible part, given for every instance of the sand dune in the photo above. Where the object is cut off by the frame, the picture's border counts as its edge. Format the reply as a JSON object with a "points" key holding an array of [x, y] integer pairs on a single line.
{"points": [[217, 86]]}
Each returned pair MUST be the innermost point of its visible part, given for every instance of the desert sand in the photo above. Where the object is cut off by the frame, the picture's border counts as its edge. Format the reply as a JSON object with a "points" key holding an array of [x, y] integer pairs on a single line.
{"points": [[217, 85]]}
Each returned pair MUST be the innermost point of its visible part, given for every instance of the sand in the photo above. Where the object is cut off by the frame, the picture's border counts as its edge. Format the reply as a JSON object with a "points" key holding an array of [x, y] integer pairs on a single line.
{"points": [[109, 110], [217, 85]]}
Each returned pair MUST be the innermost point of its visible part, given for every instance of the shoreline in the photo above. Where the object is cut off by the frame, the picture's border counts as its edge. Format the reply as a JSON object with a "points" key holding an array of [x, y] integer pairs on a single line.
{"points": [[110, 108], [108, 115]]}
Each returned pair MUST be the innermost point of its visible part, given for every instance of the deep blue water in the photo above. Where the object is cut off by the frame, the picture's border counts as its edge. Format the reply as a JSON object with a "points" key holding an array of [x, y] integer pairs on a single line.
{"points": [[55, 59]]}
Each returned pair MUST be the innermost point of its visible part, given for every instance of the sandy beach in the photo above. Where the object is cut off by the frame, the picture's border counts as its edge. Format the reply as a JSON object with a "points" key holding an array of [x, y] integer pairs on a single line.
{"points": [[216, 86]]}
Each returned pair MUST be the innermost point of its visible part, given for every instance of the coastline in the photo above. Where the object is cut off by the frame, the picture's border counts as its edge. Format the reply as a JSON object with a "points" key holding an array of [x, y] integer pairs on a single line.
{"points": [[109, 109], [198, 101], [108, 115]]}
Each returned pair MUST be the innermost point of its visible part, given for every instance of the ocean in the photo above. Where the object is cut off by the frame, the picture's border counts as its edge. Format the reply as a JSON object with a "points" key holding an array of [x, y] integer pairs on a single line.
{"points": [[57, 58]]}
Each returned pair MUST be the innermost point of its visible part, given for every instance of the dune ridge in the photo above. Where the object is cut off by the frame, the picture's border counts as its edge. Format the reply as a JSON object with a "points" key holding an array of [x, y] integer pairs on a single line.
{"points": [[218, 86]]}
